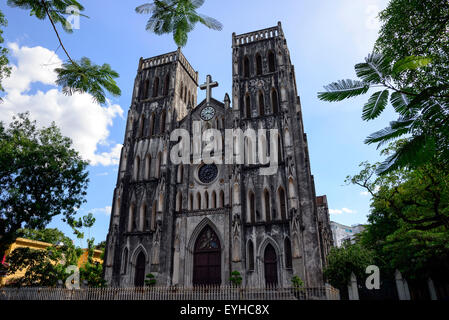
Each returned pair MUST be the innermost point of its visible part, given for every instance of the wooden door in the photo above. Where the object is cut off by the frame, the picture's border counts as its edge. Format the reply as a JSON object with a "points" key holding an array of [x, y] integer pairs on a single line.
{"points": [[207, 259], [270, 261]]}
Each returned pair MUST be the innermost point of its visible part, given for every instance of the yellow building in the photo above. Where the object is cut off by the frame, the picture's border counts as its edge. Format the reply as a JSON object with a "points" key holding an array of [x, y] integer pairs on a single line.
{"points": [[39, 245]]}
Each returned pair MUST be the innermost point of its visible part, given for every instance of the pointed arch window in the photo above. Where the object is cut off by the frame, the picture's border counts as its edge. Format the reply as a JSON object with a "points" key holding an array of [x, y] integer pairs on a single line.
{"points": [[144, 93], [131, 222], [180, 174], [143, 217], [214, 200], [266, 202], [198, 201], [167, 84], [246, 67], [152, 124], [158, 165], [182, 90], [222, 199], [147, 167], [261, 104], [206, 200], [248, 105], [271, 61], [179, 202], [191, 202], [163, 118], [280, 150], [282, 203], [153, 215], [136, 168], [258, 64], [250, 255], [156, 87], [141, 126], [288, 253], [274, 101], [125, 261], [252, 207]]}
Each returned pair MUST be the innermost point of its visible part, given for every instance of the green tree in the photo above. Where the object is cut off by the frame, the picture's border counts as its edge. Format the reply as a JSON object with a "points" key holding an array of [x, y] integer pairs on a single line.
{"points": [[74, 76], [43, 268], [409, 219], [52, 235], [406, 78], [344, 260], [5, 70], [41, 176], [176, 16]]}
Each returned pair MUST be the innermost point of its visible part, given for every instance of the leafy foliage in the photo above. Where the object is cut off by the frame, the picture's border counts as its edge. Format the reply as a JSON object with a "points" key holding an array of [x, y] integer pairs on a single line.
{"points": [[41, 176], [344, 260], [409, 61], [43, 268], [409, 219], [55, 9], [297, 282], [73, 76], [5, 70], [150, 279], [236, 278], [178, 17], [53, 236], [84, 76]]}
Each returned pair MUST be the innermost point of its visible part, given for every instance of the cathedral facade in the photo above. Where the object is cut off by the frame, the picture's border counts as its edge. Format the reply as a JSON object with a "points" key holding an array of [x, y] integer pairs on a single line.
{"points": [[196, 221]]}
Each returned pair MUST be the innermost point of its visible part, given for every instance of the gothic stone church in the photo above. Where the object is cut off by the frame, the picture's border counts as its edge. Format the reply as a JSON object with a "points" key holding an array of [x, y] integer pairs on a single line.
{"points": [[195, 224]]}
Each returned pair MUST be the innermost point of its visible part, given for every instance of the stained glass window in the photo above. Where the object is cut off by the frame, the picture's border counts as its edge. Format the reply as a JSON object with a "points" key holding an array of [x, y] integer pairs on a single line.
{"points": [[207, 173]]}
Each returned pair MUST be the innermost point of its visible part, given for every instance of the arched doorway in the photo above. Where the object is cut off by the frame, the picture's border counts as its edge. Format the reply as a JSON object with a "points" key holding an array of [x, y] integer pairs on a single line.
{"points": [[270, 262], [139, 275], [207, 258]]}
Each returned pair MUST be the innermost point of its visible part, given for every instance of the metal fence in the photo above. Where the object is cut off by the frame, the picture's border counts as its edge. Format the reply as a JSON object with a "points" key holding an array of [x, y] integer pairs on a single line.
{"points": [[171, 293]]}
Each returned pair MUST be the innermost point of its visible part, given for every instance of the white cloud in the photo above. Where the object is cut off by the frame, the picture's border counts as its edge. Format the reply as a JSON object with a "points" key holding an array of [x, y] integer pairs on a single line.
{"points": [[78, 116], [364, 193], [335, 211], [106, 210], [360, 21], [341, 211]]}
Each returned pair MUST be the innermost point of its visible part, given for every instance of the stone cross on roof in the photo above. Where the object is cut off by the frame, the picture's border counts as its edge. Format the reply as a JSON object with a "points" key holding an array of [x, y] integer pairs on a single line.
{"points": [[208, 87]]}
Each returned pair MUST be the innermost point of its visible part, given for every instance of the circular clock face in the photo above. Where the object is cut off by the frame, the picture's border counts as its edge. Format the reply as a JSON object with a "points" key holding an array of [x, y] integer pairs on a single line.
{"points": [[207, 113], [207, 173]]}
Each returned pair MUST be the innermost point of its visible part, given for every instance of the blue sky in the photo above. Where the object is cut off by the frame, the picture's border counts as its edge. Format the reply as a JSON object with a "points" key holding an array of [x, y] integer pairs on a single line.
{"points": [[326, 38]]}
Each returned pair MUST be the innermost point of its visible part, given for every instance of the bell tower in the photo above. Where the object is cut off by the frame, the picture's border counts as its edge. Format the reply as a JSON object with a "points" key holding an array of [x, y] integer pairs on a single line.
{"points": [[279, 213], [164, 89]]}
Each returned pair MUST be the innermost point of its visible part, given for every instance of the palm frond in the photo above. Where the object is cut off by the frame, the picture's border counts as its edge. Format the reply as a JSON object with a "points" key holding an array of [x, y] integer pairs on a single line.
{"points": [[343, 89], [375, 69], [413, 153], [56, 9], [87, 77], [375, 105], [145, 8], [394, 131], [209, 22], [400, 102], [197, 3]]}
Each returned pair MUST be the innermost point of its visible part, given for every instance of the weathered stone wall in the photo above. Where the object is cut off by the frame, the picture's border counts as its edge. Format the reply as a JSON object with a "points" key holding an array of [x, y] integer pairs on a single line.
{"points": [[155, 207]]}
